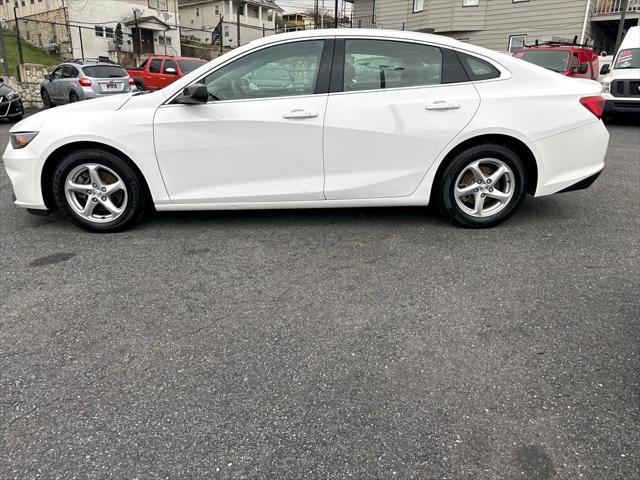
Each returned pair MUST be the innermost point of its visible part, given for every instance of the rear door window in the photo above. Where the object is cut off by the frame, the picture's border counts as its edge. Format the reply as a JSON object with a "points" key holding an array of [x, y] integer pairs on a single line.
{"points": [[69, 72], [155, 66], [381, 64], [170, 64], [104, 71]]}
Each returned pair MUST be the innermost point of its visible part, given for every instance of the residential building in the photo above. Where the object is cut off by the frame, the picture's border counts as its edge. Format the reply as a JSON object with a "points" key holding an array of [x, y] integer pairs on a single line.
{"points": [[199, 19], [86, 28], [292, 22], [502, 25]]}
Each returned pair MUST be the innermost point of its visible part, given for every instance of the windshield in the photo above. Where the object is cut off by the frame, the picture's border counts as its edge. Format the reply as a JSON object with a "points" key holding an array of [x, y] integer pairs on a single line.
{"points": [[628, 58], [188, 66], [104, 71], [556, 60]]}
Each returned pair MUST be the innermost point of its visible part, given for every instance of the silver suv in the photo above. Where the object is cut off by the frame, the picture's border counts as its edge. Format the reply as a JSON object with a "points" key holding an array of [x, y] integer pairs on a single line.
{"points": [[77, 80]]}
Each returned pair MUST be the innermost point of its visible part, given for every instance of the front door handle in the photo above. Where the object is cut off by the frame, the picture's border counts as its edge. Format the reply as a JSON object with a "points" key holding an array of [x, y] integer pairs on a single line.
{"points": [[442, 105], [300, 113]]}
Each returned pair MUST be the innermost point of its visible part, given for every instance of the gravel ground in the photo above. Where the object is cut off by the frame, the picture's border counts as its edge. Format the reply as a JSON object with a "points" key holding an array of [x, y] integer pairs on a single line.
{"points": [[364, 343]]}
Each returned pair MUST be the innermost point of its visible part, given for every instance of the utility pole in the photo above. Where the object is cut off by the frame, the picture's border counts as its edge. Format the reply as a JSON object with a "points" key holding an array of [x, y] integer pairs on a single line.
{"points": [[3, 53], [335, 20], [15, 17], [238, 20], [315, 14], [625, 4]]}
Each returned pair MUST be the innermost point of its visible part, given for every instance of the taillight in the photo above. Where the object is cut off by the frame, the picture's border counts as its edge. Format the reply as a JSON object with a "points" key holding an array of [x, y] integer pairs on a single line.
{"points": [[594, 104], [85, 82], [131, 81]]}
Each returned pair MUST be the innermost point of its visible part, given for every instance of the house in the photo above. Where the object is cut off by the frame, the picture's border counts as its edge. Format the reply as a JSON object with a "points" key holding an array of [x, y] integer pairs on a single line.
{"points": [[502, 25], [199, 19], [298, 21], [87, 29]]}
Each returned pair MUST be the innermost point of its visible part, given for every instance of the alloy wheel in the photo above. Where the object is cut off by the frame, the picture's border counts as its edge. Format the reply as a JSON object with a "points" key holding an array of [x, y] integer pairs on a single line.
{"points": [[484, 187], [95, 193]]}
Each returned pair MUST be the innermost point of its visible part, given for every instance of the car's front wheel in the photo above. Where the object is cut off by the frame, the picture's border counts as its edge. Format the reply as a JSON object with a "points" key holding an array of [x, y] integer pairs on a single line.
{"points": [[99, 191], [46, 99], [482, 186]]}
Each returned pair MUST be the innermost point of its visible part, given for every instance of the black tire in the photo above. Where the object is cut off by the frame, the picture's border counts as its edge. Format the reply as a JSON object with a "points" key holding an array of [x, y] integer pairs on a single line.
{"points": [[46, 99], [445, 190], [73, 97], [139, 84], [137, 199]]}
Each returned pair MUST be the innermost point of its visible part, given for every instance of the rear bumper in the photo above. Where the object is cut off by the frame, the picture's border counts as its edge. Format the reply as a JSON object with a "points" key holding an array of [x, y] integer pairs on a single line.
{"points": [[567, 159], [582, 184]]}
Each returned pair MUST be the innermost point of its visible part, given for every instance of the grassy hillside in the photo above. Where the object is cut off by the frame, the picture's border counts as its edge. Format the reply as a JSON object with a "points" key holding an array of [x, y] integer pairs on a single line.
{"points": [[31, 54]]}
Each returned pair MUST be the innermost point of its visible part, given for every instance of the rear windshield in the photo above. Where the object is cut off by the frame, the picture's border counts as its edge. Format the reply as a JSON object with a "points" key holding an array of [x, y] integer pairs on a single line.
{"points": [[556, 60], [188, 66], [628, 58], [104, 71]]}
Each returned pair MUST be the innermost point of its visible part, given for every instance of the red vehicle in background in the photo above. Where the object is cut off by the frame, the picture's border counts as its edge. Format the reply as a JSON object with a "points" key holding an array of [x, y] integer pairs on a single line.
{"points": [[570, 59], [158, 71]]}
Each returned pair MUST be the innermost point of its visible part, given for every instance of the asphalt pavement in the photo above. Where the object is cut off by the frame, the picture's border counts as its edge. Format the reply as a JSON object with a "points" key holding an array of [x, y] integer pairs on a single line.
{"points": [[359, 343]]}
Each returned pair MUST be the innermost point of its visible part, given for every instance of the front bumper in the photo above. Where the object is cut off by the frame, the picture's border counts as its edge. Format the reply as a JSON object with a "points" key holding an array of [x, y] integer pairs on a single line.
{"points": [[11, 108], [622, 105], [24, 169]]}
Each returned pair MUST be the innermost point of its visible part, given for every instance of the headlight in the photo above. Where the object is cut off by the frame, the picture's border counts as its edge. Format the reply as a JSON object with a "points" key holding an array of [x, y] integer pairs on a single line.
{"points": [[13, 96], [606, 86], [22, 139]]}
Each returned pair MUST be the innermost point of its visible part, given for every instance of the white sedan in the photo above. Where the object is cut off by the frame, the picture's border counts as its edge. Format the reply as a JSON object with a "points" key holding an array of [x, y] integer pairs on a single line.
{"points": [[318, 119]]}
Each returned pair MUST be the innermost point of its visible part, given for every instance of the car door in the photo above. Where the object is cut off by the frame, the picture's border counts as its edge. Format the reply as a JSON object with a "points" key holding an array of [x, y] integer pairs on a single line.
{"points": [[250, 142], [151, 80], [54, 85], [64, 83], [393, 107]]}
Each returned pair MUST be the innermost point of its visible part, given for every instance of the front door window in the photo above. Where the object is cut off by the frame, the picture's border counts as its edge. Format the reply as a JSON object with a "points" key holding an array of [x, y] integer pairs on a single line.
{"points": [[279, 71]]}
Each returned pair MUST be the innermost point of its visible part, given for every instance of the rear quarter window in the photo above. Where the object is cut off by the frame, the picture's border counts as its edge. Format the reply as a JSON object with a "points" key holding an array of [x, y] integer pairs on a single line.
{"points": [[478, 69]]}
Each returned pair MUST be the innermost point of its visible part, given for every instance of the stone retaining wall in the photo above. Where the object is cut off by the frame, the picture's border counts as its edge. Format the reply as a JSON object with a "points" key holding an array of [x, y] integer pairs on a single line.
{"points": [[31, 76]]}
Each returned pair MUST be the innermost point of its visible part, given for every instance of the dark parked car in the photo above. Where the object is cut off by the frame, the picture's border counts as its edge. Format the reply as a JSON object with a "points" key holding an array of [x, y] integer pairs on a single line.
{"points": [[10, 103]]}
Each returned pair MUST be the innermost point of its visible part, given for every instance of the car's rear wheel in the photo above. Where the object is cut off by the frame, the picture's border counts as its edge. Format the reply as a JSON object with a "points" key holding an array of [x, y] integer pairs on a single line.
{"points": [[482, 186], [99, 191], [46, 99], [73, 97], [139, 85]]}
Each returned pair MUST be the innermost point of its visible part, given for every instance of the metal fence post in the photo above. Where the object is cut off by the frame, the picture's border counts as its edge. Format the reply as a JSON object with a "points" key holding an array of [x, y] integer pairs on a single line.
{"points": [[15, 16], [81, 46], [3, 52]]}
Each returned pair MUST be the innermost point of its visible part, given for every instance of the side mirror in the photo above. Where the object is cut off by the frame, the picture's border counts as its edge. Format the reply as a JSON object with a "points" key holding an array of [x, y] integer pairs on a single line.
{"points": [[194, 94], [606, 68], [47, 76], [170, 70]]}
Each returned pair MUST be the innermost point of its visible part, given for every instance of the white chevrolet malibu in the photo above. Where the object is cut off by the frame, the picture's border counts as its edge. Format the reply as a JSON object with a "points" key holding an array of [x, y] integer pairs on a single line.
{"points": [[325, 118]]}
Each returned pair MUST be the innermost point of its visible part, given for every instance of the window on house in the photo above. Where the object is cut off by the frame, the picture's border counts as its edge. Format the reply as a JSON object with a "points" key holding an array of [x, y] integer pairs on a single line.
{"points": [[470, 3], [197, 12], [23, 4], [283, 70], [378, 64], [216, 10], [158, 4], [108, 32], [255, 12], [516, 42], [99, 31], [270, 15], [418, 5]]}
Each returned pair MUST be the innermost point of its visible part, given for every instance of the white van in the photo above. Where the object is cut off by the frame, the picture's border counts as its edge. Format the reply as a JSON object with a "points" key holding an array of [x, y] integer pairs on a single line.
{"points": [[621, 85]]}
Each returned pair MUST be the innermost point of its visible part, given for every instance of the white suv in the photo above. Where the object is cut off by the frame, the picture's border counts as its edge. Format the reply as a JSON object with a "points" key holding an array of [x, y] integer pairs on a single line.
{"points": [[621, 85]]}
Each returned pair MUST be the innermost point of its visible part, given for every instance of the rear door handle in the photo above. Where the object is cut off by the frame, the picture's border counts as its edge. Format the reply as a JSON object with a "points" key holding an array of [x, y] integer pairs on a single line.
{"points": [[442, 105], [300, 113]]}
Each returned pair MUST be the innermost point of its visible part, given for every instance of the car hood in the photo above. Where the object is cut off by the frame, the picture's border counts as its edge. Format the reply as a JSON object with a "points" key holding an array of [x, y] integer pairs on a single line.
{"points": [[36, 122], [622, 74]]}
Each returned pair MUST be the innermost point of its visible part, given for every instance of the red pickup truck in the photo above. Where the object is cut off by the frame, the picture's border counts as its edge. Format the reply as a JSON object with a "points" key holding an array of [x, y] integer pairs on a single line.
{"points": [[158, 71], [572, 60]]}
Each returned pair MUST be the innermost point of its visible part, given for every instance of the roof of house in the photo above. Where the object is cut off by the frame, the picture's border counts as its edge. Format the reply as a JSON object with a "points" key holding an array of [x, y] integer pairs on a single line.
{"points": [[265, 3]]}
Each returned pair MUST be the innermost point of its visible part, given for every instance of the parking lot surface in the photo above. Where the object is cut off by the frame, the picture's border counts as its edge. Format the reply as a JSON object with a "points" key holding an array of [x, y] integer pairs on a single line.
{"points": [[360, 343]]}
